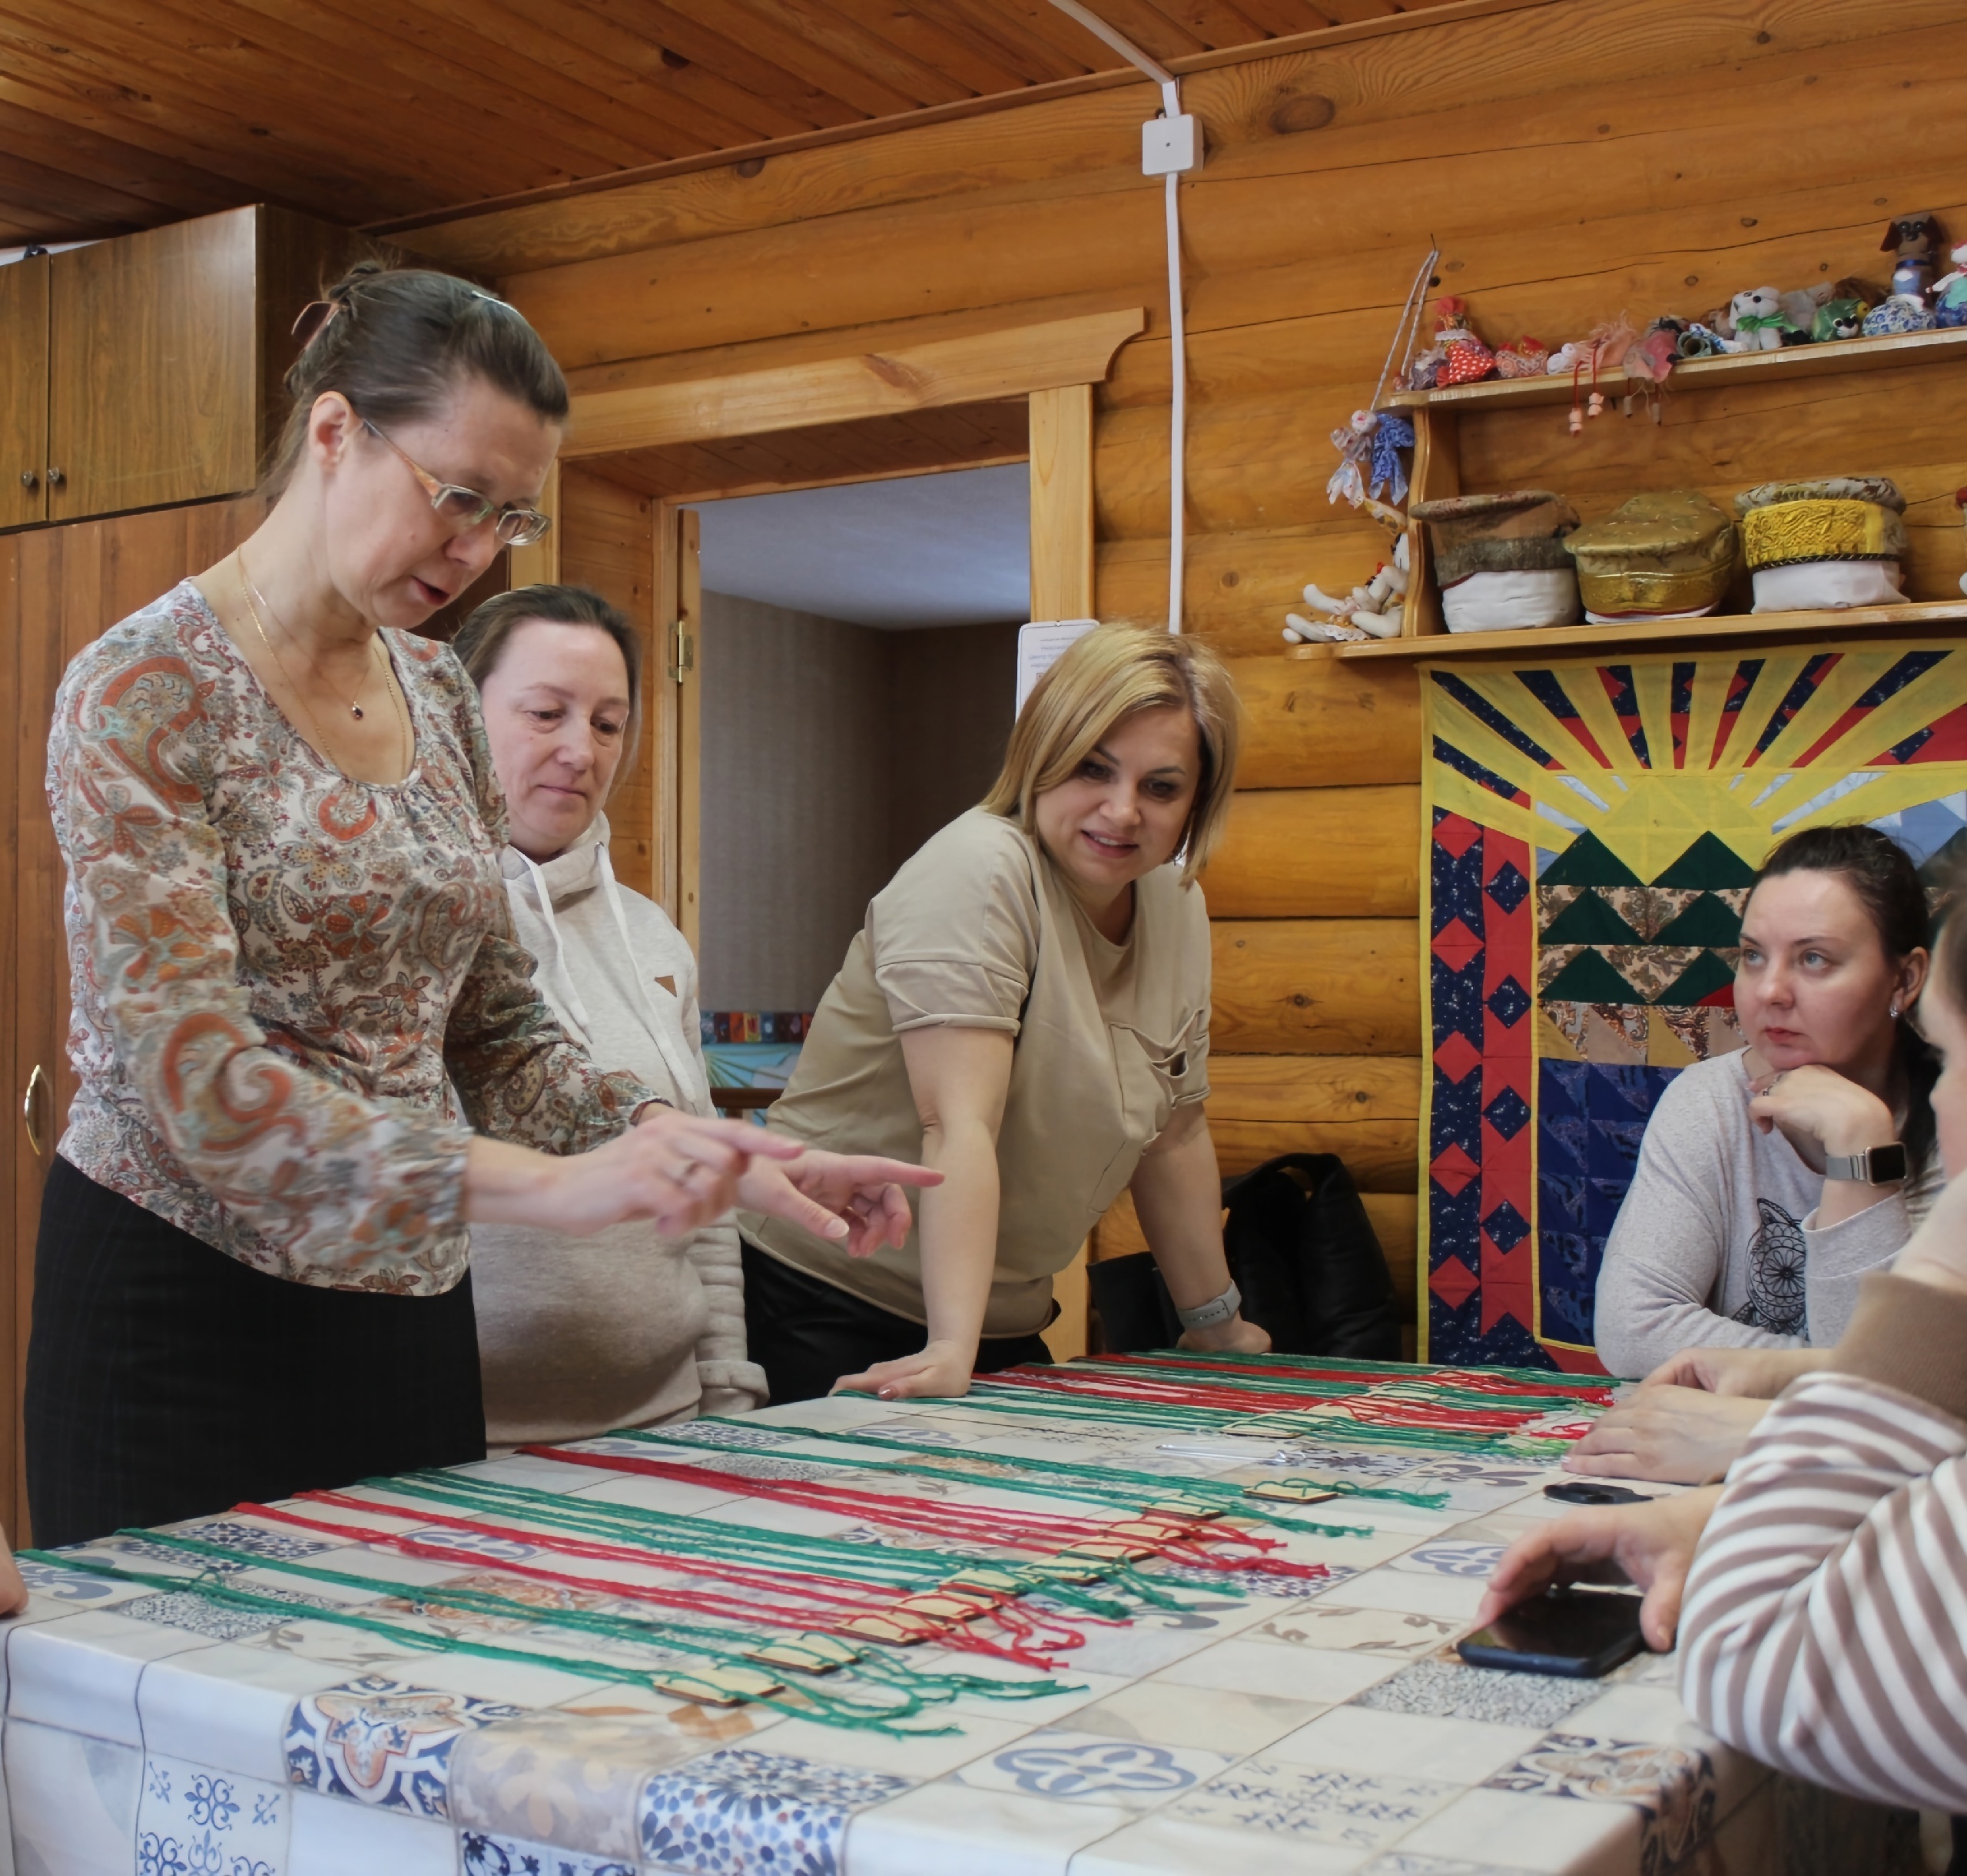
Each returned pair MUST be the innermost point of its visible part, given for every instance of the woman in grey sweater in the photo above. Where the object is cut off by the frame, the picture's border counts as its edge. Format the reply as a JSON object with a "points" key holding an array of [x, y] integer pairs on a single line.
{"points": [[1758, 1203], [626, 1328]]}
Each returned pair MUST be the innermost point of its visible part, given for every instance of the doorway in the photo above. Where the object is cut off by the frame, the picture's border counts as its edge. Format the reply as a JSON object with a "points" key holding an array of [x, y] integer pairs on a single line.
{"points": [[857, 663]]}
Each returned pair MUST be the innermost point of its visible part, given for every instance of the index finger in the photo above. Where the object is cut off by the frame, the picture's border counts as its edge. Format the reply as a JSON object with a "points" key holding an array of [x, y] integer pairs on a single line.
{"points": [[741, 1137], [870, 1169]]}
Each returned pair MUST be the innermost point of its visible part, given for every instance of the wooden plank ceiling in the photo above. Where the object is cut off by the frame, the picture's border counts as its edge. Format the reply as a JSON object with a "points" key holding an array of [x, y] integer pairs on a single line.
{"points": [[117, 114]]}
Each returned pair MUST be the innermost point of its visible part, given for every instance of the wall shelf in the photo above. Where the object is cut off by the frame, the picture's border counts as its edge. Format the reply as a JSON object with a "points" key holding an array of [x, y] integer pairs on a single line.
{"points": [[1831, 358], [1560, 640], [1438, 417]]}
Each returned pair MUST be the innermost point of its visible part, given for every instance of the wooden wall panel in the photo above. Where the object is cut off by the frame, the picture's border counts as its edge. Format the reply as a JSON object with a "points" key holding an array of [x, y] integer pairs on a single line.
{"points": [[1316, 987], [608, 541], [1321, 853], [1310, 722], [1672, 156]]}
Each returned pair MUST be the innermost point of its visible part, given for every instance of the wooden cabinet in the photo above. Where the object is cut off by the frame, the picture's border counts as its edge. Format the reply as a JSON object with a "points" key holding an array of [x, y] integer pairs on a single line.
{"points": [[146, 371], [23, 390], [60, 588]]}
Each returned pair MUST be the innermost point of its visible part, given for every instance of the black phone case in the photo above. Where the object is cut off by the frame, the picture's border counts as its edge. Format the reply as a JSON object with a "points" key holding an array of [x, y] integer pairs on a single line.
{"points": [[1480, 1654], [1484, 1649]]}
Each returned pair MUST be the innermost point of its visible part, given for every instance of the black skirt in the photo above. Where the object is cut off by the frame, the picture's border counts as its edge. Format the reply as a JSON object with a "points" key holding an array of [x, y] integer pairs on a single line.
{"points": [[167, 1380]]}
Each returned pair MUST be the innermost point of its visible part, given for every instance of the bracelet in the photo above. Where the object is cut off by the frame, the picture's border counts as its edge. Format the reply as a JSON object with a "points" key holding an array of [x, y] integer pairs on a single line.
{"points": [[1222, 1308]]}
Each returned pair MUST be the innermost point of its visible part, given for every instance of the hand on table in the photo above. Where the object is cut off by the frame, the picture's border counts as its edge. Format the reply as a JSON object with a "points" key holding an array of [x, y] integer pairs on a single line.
{"points": [[13, 1592], [1747, 1373], [942, 1369], [1678, 1436], [837, 1195], [1233, 1338], [1650, 1547]]}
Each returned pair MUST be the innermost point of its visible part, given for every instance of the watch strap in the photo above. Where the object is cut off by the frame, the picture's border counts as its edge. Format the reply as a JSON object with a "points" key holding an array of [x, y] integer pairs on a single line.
{"points": [[1218, 1309], [1877, 1166]]}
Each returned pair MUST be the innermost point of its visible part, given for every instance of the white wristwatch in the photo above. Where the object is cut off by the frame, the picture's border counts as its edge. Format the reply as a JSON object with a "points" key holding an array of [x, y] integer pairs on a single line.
{"points": [[1222, 1308], [1877, 1165]]}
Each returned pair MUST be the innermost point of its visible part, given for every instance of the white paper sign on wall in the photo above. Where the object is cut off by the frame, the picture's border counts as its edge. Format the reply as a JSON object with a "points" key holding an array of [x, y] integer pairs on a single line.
{"points": [[1040, 645]]}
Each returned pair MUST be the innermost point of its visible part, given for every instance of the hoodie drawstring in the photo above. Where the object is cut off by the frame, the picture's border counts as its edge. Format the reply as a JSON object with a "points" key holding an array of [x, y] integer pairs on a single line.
{"points": [[681, 1068], [571, 996]]}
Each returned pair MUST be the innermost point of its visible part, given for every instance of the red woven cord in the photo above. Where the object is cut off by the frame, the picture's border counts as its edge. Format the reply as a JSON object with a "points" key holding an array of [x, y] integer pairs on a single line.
{"points": [[1024, 1647], [1472, 1380], [1384, 1410], [1045, 1533]]}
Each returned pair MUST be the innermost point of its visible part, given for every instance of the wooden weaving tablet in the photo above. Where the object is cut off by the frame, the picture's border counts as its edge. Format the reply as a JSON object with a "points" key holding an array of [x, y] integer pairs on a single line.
{"points": [[903, 1631], [1292, 1491], [1195, 1510], [810, 1654], [717, 1687]]}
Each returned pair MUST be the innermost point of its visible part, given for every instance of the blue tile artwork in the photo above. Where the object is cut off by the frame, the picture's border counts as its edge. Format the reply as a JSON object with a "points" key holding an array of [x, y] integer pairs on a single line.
{"points": [[379, 1741], [739, 1813]]}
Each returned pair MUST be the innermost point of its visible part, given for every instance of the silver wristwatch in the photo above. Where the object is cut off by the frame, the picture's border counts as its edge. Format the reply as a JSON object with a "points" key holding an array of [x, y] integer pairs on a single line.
{"points": [[1877, 1166], [1222, 1308]]}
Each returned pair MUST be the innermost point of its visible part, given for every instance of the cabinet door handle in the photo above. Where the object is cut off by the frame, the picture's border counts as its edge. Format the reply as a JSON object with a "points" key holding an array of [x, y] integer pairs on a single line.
{"points": [[29, 480], [36, 1081], [55, 477]]}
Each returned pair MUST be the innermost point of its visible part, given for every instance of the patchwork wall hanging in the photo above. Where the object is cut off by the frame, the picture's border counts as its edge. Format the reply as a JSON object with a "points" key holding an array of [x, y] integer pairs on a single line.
{"points": [[1592, 830]]}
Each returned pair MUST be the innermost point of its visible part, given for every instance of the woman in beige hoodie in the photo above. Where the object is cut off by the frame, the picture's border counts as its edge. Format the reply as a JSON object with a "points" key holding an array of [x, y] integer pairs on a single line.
{"points": [[626, 1328]]}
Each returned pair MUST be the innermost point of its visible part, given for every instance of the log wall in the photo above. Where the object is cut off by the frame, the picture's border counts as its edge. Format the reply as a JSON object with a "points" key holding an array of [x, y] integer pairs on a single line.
{"points": [[1573, 158]]}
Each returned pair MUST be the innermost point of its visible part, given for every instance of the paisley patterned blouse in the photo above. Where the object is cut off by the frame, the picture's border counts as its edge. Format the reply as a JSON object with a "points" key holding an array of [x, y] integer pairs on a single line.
{"points": [[279, 973]]}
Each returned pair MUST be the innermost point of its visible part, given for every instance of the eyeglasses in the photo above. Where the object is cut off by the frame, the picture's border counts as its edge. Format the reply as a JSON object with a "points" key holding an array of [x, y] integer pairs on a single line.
{"points": [[466, 508]]}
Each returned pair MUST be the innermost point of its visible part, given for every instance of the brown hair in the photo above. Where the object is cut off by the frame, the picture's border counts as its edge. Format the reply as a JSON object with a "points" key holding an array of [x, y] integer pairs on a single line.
{"points": [[482, 639], [1882, 877], [1101, 679], [395, 342]]}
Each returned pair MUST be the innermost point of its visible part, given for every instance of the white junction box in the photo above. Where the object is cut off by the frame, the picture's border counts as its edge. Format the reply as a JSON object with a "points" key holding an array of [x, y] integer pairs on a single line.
{"points": [[1170, 146]]}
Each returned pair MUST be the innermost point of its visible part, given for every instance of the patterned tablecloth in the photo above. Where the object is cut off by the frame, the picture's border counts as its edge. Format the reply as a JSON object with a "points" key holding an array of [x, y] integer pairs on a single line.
{"points": [[1266, 1724]]}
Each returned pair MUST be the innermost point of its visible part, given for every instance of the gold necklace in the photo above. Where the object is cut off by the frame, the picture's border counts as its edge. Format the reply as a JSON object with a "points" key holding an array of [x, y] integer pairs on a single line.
{"points": [[406, 733], [255, 599]]}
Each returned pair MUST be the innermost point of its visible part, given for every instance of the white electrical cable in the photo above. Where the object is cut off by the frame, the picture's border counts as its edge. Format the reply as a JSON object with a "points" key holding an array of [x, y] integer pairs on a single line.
{"points": [[1171, 106], [1177, 415]]}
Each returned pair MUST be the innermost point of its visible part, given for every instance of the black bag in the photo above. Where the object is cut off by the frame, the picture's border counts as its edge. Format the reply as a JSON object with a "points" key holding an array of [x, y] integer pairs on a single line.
{"points": [[1302, 1251]]}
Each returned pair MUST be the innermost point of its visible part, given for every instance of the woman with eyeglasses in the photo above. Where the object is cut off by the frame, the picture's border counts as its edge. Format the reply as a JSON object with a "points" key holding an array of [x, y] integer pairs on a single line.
{"points": [[293, 958]]}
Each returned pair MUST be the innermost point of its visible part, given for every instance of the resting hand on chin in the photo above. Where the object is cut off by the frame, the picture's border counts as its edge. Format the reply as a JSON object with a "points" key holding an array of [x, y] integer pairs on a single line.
{"points": [[1818, 1110], [1677, 1436]]}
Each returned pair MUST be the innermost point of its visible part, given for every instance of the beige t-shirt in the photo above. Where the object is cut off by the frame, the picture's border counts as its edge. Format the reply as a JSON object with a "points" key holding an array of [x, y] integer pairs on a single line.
{"points": [[980, 929]]}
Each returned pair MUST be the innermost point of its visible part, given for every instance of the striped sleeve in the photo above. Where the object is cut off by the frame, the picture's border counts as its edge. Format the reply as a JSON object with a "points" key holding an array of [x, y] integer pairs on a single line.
{"points": [[1823, 1625]]}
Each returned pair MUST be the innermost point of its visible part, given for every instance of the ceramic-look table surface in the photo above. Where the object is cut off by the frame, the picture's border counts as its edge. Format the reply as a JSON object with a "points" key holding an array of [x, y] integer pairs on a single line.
{"points": [[1270, 1725]]}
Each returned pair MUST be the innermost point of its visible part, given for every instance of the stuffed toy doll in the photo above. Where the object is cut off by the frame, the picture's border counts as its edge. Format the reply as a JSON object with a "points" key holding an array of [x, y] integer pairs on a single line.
{"points": [[1914, 239], [1949, 295], [1465, 359], [1761, 323]]}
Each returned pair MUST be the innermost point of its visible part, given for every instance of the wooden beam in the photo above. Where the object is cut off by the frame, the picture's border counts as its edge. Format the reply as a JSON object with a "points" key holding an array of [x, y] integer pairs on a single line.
{"points": [[685, 678], [1062, 541], [1009, 362], [539, 564]]}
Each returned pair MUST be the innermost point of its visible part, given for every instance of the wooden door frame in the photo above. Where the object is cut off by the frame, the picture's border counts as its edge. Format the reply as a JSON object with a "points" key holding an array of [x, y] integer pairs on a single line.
{"points": [[1053, 363]]}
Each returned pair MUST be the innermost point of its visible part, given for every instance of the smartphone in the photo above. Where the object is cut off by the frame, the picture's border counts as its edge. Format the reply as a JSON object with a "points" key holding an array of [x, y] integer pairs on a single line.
{"points": [[1595, 1492], [1579, 1633]]}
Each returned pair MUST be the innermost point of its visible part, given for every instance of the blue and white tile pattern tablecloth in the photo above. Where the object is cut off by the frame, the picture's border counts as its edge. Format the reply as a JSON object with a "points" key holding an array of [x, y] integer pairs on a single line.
{"points": [[152, 1732]]}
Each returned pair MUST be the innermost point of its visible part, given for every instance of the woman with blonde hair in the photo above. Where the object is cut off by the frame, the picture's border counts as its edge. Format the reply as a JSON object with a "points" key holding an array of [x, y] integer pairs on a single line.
{"points": [[1025, 1009]]}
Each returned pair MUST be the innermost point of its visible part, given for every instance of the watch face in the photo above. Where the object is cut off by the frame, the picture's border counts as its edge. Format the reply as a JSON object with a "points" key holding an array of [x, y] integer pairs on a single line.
{"points": [[1887, 1163]]}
